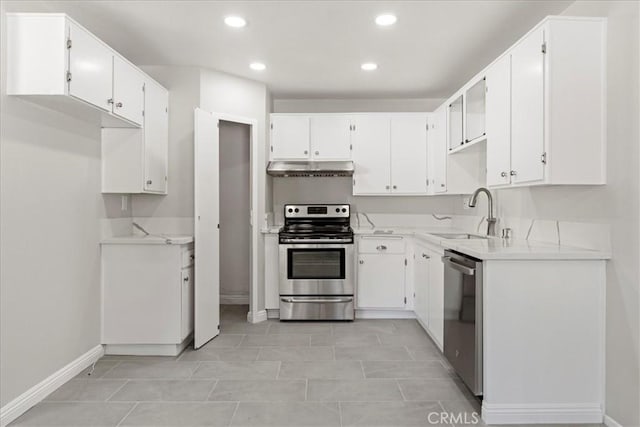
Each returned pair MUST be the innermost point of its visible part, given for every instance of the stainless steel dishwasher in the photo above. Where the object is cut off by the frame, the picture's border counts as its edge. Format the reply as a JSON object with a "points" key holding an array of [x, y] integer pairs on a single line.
{"points": [[463, 317]]}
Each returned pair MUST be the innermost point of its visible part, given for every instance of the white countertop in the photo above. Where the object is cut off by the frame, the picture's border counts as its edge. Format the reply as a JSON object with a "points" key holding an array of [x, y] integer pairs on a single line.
{"points": [[493, 248], [163, 239]]}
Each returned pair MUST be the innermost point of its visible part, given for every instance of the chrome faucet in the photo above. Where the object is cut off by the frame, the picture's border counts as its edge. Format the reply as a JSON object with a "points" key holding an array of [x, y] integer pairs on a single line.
{"points": [[491, 220]]}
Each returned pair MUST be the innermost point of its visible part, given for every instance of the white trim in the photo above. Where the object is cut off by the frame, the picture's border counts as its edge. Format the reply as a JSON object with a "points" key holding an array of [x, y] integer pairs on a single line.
{"points": [[384, 314], [259, 316], [148, 349], [610, 422], [38, 392], [234, 299], [552, 413]]}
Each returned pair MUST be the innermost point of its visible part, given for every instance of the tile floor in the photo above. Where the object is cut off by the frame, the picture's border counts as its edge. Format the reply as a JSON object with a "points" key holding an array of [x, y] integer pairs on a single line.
{"points": [[363, 373]]}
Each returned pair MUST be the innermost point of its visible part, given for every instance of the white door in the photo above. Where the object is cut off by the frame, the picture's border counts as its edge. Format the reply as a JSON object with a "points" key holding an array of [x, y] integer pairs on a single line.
{"points": [[156, 138], [128, 94], [498, 117], [207, 233], [91, 68], [289, 137], [527, 109], [371, 150], [409, 154], [436, 297], [381, 281], [421, 285], [331, 137], [438, 143]]}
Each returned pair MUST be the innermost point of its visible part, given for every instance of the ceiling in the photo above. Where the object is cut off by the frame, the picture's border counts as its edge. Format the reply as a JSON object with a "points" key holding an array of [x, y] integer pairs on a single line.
{"points": [[313, 49]]}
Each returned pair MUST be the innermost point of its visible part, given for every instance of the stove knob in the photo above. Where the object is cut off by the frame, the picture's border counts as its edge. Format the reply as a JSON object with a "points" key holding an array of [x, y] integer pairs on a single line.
{"points": [[344, 210], [337, 209], [296, 210], [290, 210]]}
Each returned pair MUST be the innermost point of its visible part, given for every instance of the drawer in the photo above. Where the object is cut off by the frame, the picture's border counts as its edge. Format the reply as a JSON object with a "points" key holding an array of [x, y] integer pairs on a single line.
{"points": [[377, 245], [188, 257]]}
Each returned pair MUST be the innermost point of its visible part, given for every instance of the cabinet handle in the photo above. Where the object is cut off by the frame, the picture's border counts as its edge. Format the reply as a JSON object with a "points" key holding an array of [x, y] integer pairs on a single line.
{"points": [[512, 173], [119, 105], [395, 187], [306, 152], [381, 247], [192, 257], [149, 182], [442, 185], [317, 152], [387, 187], [503, 174], [185, 279], [361, 262], [425, 256], [110, 101]]}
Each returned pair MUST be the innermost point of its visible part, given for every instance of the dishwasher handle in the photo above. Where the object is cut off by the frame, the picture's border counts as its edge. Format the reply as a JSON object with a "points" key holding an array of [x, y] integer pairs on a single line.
{"points": [[458, 267]]}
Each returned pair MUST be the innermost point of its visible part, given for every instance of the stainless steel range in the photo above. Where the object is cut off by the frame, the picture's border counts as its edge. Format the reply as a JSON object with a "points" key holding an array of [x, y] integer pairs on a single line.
{"points": [[316, 263]]}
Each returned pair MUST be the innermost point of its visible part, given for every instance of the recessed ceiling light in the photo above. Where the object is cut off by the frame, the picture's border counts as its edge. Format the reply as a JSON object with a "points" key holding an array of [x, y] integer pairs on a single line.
{"points": [[369, 66], [235, 21], [257, 66], [386, 19]]}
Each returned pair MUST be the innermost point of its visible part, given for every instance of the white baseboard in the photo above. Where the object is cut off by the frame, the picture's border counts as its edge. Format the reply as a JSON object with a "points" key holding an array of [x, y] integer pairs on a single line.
{"points": [[148, 349], [257, 317], [586, 413], [233, 299], [38, 392], [384, 314], [610, 422], [273, 313]]}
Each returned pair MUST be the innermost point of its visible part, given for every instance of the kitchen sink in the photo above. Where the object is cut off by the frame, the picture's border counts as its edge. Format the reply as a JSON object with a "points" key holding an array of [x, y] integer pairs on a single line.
{"points": [[459, 236]]}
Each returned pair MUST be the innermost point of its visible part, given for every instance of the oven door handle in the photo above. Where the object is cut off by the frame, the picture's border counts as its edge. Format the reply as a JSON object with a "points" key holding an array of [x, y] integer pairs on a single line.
{"points": [[459, 267], [317, 300]]}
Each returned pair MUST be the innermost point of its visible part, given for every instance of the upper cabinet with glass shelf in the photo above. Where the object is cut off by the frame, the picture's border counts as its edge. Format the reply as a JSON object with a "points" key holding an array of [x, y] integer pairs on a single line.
{"points": [[474, 117]]}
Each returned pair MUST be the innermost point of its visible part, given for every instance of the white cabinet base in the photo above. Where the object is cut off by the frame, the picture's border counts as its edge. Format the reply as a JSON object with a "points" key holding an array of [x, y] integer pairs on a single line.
{"points": [[148, 349]]}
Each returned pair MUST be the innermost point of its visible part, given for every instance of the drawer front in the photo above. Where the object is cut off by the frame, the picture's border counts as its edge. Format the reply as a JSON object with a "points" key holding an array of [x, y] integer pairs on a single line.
{"points": [[373, 245], [188, 257]]}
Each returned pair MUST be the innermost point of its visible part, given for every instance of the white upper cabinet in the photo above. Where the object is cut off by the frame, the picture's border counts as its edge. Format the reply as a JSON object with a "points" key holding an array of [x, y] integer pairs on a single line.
{"points": [[456, 123], [90, 68], [156, 138], [289, 137], [545, 107], [371, 152], [499, 122], [128, 87], [331, 137], [474, 116], [527, 108], [409, 154], [56, 62], [437, 151]]}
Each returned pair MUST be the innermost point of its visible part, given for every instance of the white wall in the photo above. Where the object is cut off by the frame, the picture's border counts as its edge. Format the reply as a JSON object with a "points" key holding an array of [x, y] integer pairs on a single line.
{"points": [[616, 204], [50, 211], [235, 236]]}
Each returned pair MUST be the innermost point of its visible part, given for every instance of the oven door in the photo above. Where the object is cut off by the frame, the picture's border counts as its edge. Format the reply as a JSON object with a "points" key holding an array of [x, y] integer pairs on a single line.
{"points": [[316, 269]]}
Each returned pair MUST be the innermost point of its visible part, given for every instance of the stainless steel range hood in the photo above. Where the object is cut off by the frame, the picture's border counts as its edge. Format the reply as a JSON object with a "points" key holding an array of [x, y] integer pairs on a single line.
{"points": [[308, 168]]}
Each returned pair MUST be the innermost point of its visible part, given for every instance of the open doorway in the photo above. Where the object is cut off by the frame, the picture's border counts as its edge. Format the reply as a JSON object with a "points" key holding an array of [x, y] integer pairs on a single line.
{"points": [[235, 208]]}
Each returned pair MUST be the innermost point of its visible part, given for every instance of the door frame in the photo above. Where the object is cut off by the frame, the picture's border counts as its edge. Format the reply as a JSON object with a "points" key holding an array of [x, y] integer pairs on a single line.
{"points": [[254, 315]]}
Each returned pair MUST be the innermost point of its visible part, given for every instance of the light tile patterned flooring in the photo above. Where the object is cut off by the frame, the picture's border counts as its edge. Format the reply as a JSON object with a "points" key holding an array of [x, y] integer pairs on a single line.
{"points": [[385, 373]]}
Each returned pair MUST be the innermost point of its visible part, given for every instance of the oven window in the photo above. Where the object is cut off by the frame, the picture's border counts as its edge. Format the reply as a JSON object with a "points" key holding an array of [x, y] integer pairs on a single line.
{"points": [[315, 263]]}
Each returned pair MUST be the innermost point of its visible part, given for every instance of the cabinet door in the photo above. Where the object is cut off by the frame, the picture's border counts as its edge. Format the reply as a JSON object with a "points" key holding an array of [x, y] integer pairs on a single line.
{"points": [[437, 140], [289, 137], [156, 138], [91, 67], [475, 111], [128, 93], [436, 297], [371, 150], [456, 125], [409, 154], [421, 285], [381, 281], [331, 137], [499, 122], [186, 324], [527, 108], [271, 273]]}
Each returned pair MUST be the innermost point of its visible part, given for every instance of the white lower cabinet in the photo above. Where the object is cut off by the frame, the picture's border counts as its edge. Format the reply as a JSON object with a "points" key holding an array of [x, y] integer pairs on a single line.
{"points": [[429, 290], [271, 272], [148, 297], [381, 273]]}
